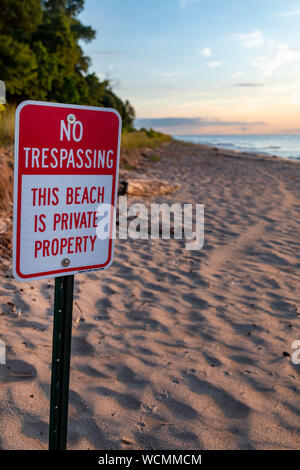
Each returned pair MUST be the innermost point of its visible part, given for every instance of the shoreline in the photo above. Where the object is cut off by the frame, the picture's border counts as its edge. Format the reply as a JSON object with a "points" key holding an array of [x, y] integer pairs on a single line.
{"points": [[238, 151]]}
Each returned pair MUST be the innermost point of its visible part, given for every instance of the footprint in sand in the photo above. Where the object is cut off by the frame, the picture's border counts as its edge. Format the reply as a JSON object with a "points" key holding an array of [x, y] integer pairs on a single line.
{"points": [[16, 371]]}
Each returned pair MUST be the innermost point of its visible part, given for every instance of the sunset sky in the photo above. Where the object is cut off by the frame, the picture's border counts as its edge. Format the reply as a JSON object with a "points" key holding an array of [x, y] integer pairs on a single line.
{"points": [[201, 66]]}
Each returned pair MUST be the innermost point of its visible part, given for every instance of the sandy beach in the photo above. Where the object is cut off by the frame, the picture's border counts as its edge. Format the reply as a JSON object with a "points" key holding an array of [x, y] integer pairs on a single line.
{"points": [[174, 349]]}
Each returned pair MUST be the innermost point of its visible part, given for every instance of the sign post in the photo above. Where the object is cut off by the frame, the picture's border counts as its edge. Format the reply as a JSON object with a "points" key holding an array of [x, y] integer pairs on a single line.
{"points": [[62, 332], [65, 191]]}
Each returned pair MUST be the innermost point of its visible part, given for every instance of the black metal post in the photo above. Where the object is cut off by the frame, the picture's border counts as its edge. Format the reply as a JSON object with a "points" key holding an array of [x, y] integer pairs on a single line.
{"points": [[62, 332]]}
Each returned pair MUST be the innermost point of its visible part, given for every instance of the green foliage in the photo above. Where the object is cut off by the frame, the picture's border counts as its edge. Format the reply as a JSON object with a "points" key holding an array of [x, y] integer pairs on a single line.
{"points": [[41, 58], [20, 18], [18, 66]]}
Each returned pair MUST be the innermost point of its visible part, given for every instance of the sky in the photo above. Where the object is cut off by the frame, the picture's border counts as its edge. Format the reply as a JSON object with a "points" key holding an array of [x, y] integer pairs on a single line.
{"points": [[201, 66]]}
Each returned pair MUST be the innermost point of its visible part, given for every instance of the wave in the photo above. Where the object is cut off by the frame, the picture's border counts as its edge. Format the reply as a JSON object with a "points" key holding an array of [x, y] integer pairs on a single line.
{"points": [[228, 144]]}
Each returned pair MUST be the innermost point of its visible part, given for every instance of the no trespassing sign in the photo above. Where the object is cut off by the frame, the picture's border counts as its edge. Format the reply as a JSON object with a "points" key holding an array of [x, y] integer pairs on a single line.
{"points": [[66, 167]]}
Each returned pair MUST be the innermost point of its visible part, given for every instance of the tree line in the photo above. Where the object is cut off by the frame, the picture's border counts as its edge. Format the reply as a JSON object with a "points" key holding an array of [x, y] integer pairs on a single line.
{"points": [[41, 57]]}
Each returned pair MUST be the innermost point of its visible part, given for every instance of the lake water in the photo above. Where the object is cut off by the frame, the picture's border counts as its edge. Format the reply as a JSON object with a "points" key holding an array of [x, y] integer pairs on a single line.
{"points": [[285, 146]]}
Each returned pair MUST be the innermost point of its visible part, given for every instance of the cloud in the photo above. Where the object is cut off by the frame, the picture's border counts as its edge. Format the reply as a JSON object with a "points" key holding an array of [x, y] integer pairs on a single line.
{"points": [[191, 122], [289, 13], [277, 56], [294, 130], [206, 52], [213, 65], [249, 40], [186, 3], [249, 85], [237, 74]]}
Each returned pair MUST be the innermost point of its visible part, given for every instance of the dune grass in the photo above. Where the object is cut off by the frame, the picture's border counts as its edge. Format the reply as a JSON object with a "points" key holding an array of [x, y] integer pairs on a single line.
{"points": [[7, 124], [143, 139], [6, 184], [133, 144]]}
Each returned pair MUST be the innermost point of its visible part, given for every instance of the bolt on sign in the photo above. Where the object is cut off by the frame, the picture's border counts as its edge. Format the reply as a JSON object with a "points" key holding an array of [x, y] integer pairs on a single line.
{"points": [[66, 167]]}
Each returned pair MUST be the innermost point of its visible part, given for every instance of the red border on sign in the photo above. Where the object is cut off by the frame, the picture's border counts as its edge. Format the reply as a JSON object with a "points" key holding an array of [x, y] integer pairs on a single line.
{"points": [[18, 202]]}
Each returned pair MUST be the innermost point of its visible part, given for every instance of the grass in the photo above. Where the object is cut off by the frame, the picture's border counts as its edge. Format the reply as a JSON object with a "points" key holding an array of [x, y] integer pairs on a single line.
{"points": [[134, 142], [7, 124], [143, 139], [6, 197], [6, 181]]}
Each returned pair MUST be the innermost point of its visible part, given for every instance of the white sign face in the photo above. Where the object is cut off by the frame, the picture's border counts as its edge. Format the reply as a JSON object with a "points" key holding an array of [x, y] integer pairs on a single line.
{"points": [[66, 170]]}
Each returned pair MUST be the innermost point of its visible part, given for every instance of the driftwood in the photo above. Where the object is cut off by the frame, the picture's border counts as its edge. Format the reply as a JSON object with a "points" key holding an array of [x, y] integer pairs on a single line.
{"points": [[139, 187]]}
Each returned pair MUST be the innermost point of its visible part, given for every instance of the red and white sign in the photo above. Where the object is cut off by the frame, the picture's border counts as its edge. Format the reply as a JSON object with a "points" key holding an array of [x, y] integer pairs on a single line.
{"points": [[66, 167]]}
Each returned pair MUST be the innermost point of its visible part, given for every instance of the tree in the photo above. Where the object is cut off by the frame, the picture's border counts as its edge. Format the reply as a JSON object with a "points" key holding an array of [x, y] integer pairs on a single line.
{"points": [[20, 19], [41, 58]]}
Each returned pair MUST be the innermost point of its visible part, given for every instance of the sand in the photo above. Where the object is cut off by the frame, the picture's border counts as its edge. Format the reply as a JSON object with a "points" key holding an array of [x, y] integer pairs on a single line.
{"points": [[174, 349]]}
